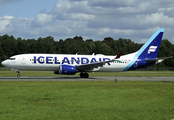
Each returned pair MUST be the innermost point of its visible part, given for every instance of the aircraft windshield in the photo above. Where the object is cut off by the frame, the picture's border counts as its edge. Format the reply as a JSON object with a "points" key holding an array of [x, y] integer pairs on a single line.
{"points": [[12, 58]]}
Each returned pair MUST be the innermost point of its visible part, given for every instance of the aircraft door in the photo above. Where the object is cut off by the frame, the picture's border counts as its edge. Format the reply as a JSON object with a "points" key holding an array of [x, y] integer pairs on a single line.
{"points": [[23, 61]]}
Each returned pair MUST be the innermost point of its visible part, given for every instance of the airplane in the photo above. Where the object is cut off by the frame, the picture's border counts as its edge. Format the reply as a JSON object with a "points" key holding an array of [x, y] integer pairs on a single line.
{"points": [[68, 64]]}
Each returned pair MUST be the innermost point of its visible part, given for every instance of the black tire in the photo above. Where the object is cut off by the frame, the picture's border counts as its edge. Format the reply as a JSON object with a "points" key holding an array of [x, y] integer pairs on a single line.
{"points": [[81, 75], [86, 75], [18, 75]]}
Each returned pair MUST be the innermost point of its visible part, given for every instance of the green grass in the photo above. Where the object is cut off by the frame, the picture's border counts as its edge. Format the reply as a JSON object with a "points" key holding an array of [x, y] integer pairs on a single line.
{"points": [[7, 72], [86, 100]]}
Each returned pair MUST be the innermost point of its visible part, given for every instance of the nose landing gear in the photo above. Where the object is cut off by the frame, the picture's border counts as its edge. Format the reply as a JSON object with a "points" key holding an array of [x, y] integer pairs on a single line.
{"points": [[18, 75], [84, 75]]}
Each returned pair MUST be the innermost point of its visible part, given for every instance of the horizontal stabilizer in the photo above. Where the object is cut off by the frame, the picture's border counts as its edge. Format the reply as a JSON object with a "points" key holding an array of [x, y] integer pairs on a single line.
{"points": [[158, 60]]}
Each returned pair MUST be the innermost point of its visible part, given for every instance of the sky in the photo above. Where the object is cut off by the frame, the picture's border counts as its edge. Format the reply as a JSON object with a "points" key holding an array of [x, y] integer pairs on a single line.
{"points": [[92, 19]]}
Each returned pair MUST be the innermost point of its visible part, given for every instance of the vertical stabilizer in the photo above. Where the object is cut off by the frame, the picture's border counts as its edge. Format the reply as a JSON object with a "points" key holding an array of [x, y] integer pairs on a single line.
{"points": [[151, 47], [148, 51]]}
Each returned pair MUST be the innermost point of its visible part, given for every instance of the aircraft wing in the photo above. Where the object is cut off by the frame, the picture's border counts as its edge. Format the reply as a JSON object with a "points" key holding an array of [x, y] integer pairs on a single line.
{"points": [[158, 60], [91, 66]]}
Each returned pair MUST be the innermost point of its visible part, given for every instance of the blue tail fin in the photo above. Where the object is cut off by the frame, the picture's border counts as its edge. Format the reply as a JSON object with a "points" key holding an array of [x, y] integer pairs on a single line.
{"points": [[151, 47], [148, 51]]}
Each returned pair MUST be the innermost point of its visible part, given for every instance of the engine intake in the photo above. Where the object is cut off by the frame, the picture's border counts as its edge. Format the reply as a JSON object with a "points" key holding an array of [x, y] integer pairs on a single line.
{"points": [[66, 70]]}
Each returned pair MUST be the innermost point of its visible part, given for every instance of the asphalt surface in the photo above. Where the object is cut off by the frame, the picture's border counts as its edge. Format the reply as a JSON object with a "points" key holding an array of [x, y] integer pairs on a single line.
{"points": [[91, 78]]}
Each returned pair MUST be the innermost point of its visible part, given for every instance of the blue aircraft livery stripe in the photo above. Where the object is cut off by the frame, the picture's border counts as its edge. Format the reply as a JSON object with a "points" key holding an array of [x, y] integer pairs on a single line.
{"points": [[160, 30]]}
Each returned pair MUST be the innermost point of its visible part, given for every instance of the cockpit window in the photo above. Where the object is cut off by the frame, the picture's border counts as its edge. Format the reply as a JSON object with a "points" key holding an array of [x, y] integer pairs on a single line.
{"points": [[12, 58]]}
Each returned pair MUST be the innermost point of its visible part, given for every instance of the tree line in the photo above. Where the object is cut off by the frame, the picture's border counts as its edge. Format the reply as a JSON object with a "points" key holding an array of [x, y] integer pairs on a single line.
{"points": [[10, 46]]}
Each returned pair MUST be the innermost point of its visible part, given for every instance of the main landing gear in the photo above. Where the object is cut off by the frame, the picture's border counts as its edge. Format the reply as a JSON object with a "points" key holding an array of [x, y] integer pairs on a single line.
{"points": [[84, 75]]}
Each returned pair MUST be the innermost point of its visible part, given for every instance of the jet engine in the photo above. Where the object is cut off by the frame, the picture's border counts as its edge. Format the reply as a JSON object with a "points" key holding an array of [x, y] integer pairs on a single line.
{"points": [[66, 70]]}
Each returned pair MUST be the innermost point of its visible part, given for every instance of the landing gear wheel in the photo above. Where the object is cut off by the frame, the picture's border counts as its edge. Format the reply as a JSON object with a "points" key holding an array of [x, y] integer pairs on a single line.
{"points": [[81, 75], [84, 75], [18, 75]]}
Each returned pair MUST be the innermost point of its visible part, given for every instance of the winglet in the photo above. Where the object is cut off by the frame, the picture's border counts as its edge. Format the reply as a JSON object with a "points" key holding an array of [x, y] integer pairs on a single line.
{"points": [[118, 56]]}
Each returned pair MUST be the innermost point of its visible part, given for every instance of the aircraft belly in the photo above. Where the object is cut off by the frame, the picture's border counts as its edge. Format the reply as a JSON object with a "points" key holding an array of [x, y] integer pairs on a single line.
{"points": [[43, 67], [112, 68], [35, 67], [18, 66]]}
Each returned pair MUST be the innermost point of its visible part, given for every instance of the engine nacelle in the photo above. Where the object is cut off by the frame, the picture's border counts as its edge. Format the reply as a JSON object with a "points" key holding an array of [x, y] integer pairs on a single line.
{"points": [[66, 70]]}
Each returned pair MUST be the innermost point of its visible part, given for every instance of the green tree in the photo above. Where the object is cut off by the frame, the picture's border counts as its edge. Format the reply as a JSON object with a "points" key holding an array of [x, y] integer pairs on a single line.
{"points": [[90, 46], [49, 42], [102, 48], [9, 45], [21, 48]]}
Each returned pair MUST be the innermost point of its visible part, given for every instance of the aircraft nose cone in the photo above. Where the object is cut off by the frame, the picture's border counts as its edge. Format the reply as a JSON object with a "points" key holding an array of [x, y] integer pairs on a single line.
{"points": [[4, 63]]}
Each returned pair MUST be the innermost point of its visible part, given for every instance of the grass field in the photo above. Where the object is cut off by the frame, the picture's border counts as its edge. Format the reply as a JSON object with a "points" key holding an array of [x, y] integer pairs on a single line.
{"points": [[8, 72], [86, 100]]}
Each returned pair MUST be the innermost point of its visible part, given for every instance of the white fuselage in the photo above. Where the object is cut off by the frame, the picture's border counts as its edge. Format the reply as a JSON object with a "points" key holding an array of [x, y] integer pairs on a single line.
{"points": [[51, 62]]}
